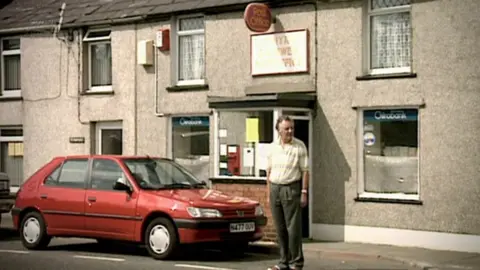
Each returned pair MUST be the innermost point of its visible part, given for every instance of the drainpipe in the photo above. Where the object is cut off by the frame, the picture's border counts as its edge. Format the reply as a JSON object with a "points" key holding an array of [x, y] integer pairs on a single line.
{"points": [[135, 98]]}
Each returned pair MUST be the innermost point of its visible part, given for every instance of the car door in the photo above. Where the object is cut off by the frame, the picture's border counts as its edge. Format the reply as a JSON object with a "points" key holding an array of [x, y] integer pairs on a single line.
{"points": [[109, 212], [62, 196]]}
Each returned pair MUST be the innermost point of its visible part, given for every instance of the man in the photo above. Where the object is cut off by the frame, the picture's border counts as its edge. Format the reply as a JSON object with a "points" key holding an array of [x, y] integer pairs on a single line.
{"points": [[287, 185]]}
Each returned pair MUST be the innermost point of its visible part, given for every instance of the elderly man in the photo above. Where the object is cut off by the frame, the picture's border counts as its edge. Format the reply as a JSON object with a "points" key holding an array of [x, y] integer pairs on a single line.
{"points": [[287, 185]]}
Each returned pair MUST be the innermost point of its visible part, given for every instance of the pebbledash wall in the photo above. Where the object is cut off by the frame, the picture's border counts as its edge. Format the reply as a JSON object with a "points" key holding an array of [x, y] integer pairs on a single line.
{"points": [[413, 182]]}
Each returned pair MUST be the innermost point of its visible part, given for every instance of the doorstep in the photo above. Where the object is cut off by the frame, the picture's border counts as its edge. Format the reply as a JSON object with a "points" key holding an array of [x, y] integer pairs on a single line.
{"points": [[416, 257]]}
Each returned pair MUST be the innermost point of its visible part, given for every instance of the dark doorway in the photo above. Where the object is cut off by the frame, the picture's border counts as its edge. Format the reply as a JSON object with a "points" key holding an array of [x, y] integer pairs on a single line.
{"points": [[301, 133]]}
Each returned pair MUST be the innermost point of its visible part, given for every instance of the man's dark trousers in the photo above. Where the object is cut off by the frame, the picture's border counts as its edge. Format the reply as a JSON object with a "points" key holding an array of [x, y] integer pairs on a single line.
{"points": [[285, 204]]}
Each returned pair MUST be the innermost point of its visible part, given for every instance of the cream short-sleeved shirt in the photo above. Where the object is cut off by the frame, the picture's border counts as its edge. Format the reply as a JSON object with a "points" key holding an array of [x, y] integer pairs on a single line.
{"points": [[287, 162]]}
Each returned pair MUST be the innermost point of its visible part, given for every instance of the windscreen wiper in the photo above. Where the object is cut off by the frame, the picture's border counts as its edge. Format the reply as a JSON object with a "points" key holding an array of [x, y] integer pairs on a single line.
{"points": [[177, 185]]}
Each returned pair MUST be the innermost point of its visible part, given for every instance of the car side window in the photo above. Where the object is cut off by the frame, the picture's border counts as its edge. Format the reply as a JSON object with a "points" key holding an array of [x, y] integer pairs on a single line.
{"points": [[105, 173], [71, 174]]}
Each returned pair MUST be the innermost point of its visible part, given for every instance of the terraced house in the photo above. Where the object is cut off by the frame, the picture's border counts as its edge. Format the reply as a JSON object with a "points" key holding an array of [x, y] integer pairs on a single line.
{"points": [[385, 94]]}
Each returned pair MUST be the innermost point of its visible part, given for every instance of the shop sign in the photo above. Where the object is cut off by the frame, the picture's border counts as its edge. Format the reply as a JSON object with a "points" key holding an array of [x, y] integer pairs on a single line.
{"points": [[391, 115], [197, 121], [279, 53], [257, 17]]}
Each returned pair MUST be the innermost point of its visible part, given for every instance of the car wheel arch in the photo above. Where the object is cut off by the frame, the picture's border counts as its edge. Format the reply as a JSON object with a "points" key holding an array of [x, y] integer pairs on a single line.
{"points": [[151, 216], [27, 210]]}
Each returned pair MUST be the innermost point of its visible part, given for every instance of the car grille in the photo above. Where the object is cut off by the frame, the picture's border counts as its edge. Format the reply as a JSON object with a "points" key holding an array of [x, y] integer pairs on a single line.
{"points": [[238, 212]]}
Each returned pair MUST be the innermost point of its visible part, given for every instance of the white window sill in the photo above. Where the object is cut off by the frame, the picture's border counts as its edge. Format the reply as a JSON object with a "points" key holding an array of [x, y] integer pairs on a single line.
{"points": [[11, 94], [100, 90], [389, 198], [191, 82], [238, 179]]}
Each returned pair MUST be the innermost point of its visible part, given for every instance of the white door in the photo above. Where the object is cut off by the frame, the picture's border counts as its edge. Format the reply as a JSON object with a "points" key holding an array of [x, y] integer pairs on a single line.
{"points": [[109, 138]]}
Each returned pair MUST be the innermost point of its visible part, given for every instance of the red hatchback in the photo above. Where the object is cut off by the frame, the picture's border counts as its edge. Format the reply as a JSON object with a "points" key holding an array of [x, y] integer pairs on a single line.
{"points": [[146, 200]]}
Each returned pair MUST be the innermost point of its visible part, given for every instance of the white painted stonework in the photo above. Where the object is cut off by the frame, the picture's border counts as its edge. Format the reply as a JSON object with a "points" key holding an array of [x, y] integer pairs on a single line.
{"points": [[396, 237]]}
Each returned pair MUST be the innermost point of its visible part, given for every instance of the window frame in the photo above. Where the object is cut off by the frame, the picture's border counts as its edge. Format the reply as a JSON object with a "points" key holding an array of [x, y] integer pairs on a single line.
{"points": [[91, 170], [369, 14], [89, 42], [106, 125], [60, 167], [361, 193], [9, 93], [216, 141], [178, 34]]}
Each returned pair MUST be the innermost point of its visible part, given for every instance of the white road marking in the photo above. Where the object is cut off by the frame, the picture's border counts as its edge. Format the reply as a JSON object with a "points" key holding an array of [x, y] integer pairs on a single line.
{"points": [[14, 251], [201, 267], [99, 258]]}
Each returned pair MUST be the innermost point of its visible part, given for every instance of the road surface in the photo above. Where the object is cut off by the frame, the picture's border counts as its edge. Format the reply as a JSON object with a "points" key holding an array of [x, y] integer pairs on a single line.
{"points": [[75, 253]]}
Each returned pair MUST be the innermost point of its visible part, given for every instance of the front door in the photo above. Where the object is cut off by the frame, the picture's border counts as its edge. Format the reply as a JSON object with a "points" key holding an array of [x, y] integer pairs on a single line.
{"points": [[301, 120], [109, 212]]}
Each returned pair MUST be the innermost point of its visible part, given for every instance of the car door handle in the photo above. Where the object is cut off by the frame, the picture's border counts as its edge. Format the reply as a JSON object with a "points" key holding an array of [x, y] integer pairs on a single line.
{"points": [[92, 199], [43, 196]]}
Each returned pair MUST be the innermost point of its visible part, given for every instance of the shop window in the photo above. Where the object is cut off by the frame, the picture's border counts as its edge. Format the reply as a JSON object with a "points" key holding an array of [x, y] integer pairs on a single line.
{"points": [[109, 138], [191, 50], [11, 155], [389, 36], [99, 60], [390, 153], [243, 138], [191, 144], [10, 67]]}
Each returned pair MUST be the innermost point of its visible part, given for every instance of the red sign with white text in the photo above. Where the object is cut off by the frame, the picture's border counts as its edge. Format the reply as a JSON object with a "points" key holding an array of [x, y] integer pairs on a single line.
{"points": [[258, 17]]}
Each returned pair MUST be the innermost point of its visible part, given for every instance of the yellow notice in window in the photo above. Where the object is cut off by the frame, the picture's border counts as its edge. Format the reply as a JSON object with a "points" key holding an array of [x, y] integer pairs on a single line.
{"points": [[19, 149], [15, 149], [252, 130], [11, 149]]}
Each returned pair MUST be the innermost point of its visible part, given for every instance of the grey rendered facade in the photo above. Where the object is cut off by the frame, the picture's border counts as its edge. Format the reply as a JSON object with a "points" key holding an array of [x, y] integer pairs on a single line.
{"points": [[443, 84]]}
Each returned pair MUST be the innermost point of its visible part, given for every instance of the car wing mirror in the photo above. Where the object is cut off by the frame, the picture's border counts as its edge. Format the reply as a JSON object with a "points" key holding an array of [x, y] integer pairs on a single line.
{"points": [[121, 184]]}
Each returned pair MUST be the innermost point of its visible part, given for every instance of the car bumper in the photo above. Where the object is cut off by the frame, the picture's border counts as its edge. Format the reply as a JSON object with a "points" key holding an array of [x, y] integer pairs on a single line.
{"points": [[198, 231]]}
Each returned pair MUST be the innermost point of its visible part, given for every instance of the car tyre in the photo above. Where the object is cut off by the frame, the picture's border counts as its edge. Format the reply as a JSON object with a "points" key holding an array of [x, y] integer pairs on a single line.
{"points": [[33, 231], [161, 238]]}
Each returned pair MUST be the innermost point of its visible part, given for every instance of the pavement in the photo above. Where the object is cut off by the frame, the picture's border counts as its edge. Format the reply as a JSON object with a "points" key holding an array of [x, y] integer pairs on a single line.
{"points": [[77, 253]]}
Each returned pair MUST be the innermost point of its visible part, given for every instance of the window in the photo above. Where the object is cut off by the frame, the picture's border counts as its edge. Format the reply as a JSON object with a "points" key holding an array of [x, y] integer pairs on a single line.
{"points": [[10, 67], [191, 50], [389, 153], [11, 155], [99, 60], [109, 137], [191, 144], [389, 36], [105, 174], [244, 137], [71, 174]]}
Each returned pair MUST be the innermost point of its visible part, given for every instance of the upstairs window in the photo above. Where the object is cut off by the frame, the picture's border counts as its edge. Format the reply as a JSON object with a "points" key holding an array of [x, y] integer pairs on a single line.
{"points": [[191, 50], [99, 62], [389, 36], [10, 67]]}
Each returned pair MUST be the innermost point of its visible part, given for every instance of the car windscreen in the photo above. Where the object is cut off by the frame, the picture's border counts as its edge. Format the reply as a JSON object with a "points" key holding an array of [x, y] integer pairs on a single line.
{"points": [[150, 173]]}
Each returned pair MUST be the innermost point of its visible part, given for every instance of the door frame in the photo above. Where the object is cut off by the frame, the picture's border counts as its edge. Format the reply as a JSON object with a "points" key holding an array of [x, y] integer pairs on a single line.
{"points": [[105, 125], [308, 117]]}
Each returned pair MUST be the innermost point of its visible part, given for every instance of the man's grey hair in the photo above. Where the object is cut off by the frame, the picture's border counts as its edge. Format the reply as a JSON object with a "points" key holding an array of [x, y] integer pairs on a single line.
{"points": [[281, 119]]}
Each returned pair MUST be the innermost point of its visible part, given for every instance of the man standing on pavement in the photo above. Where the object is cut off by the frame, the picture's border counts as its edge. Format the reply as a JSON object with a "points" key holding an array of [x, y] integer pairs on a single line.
{"points": [[287, 185]]}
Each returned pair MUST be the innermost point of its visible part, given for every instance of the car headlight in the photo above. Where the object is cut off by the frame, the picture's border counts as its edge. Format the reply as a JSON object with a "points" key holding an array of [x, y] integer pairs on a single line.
{"points": [[259, 211], [203, 212]]}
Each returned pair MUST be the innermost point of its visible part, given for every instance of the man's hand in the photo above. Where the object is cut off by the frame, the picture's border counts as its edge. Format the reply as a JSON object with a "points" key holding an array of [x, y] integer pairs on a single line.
{"points": [[304, 200]]}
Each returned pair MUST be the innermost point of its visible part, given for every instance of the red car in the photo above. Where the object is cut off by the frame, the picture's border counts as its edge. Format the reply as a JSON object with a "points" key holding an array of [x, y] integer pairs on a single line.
{"points": [[146, 200]]}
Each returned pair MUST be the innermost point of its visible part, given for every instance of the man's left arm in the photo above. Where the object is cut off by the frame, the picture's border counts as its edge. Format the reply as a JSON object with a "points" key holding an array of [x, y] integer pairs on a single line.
{"points": [[304, 167]]}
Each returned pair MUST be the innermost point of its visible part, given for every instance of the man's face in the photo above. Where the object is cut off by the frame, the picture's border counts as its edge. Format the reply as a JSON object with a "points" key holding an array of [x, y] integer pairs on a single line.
{"points": [[285, 129]]}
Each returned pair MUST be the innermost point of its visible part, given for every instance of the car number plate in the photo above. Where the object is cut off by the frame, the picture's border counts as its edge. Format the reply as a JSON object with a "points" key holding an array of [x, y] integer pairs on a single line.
{"points": [[242, 227]]}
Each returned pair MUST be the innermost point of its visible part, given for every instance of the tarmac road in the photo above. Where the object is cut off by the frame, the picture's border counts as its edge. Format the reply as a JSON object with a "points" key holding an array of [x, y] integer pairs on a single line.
{"points": [[76, 253]]}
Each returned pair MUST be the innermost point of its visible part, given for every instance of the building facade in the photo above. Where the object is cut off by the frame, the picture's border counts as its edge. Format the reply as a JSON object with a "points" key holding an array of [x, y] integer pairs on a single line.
{"points": [[385, 94]]}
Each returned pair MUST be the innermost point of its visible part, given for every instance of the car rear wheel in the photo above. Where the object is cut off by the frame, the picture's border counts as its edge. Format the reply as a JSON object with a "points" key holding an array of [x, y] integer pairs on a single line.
{"points": [[34, 232], [161, 239]]}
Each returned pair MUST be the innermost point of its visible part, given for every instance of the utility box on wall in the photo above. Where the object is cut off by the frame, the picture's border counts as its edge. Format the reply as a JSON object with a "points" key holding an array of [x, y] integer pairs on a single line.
{"points": [[163, 39], [145, 52]]}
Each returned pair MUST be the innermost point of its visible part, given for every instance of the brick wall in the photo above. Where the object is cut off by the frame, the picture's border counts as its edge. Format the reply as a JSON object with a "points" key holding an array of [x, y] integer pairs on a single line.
{"points": [[255, 192]]}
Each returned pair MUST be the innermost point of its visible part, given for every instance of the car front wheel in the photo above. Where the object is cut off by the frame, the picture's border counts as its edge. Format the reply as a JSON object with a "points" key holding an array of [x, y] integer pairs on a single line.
{"points": [[161, 239], [34, 232]]}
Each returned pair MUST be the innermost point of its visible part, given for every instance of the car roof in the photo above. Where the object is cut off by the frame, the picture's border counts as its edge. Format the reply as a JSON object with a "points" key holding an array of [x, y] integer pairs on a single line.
{"points": [[119, 157]]}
